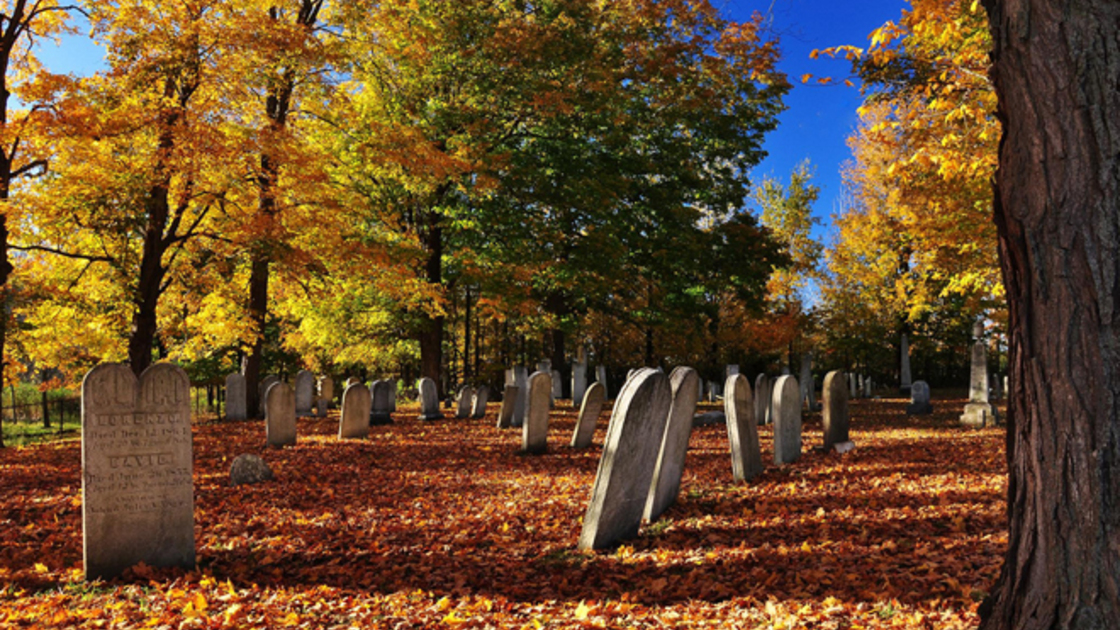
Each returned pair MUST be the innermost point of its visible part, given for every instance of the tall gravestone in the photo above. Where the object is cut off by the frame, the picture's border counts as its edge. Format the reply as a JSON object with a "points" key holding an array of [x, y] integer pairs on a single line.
{"points": [[622, 483], [305, 392], [534, 435], [137, 463], [236, 403], [589, 411], [579, 382], [463, 404], [601, 377], [326, 389], [429, 400], [787, 420], [667, 472], [867, 387], [280, 415], [742, 430], [762, 399], [919, 400], [510, 396], [521, 380], [978, 412], [355, 420], [834, 415], [478, 405], [904, 362], [262, 391], [381, 408]]}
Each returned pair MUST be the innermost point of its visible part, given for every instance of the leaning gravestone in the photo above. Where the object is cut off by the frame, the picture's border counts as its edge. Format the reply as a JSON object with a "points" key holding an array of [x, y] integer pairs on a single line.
{"points": [[834, 415], [305, 392], [355, 420], [326, 389], [534, 436], [429, 400], [762, 399], [666, 483], [478, 405], [380, 411], [236, 405], [280, 415], [919, 399], [787, 420], [589, 412], [262, 390], [742, 430], [466, 395], [510, 396], [137, 485], [622, 483]]}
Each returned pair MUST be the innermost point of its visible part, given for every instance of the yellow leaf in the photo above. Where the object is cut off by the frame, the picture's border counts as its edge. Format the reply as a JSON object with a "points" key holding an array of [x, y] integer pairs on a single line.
{"points": [[41, 568], [582, 611], [975, 3], [444, 603], [805, 78]]}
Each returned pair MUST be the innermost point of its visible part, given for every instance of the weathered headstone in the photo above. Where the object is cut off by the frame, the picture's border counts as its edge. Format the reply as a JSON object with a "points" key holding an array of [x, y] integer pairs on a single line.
{"points": [[429, 400], [478, 405], [851, 386], [463, 406], [601, 377], [534, 436], [742, 430], [762, 399], [904, 371], [867, 387], [919, 399], [510, 396], [622, 483], [579, 382], [557, 387], [137, 485], [834, 415], [326, 389], [666, 482], [321, 405], [280, 415], [521, 405], [787, 420], [729, 370], [589, 412], [392, 389], [262, 389], [355, 419], [808, 398], [978, 412], [380, 410], [305, 392], [248, 469], [236, 404]]}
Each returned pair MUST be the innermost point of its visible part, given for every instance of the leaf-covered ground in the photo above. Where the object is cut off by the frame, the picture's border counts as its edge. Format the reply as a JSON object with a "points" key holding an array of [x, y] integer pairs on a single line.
{"points": [[442, 524]]}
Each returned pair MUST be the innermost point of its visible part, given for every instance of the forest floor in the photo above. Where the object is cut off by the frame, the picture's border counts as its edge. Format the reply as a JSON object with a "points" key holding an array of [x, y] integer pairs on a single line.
{"points": [[442, 524]]}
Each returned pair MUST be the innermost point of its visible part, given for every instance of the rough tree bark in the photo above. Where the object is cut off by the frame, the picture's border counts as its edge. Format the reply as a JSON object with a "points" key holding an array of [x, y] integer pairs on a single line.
{"points": [[1057, 73]]}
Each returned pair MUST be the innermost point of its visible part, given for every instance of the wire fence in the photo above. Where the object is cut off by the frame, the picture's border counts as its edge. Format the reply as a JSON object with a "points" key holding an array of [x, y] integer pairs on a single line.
{"points": [[48, 411]]}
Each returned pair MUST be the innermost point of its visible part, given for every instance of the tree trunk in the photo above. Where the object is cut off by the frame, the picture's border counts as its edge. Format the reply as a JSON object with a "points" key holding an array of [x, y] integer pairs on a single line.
{"points": [[150, 284], [1057, 73], [431, 335]]}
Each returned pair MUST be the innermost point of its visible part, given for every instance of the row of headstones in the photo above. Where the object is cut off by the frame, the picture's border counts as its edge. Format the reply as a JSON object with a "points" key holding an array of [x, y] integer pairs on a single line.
{"points": [[311, 396], [643, 458], [362, 407]]}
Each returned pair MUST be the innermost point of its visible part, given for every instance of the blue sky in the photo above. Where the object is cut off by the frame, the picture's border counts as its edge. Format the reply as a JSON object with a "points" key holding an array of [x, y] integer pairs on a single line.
{"points": [[819, 118]]}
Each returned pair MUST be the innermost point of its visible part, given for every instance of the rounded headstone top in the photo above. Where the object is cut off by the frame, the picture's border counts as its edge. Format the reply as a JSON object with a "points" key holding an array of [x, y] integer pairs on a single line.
{"points": [[978, 329], [249, 469]]}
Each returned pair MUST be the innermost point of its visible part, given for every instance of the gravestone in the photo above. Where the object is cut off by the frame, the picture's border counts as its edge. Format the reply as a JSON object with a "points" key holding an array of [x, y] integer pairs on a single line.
{"points": [[762, 399], [380, 410], [248, 469], [236, 405], [601, 377], [919, 400], [534, 436], [305, 392], [730, 370], [137, 484], [262, 389], [621, 489], [786, 399], [808, 398], [463, 407], [834, 416], [326, 389], [867, 388], [742, 430], [859, 386], [579, 382], [978, 412], [355, 419], [557, 387], [392, 389], [510, 397], [666, 482], [478, 405], [851, 386], [904, 371], [429, 400], [521, 380], [280, 415], [589, 412]]}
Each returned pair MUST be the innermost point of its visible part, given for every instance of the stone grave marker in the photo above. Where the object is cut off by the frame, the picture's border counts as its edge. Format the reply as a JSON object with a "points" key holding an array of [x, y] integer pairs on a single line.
{"points": [[979, 412], [392, 394], [137, 464], [534, 436], [478, 405], [834, 416], [236, 404], [579, 382], [429, 400], [355, 419], [787, 420], [326, 389], [305, 392], [521, 380], [729, 370], [280, 415], [852, 386], [510, 396], [622, 482], [762, 399], [919, 400], [667, 472], [248, 469], [262, 389], [601, 377], [589, 412], [463, 406], [867, 387], [742, 430], [380, 410], [557, 387]]}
